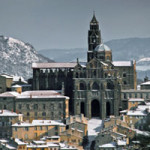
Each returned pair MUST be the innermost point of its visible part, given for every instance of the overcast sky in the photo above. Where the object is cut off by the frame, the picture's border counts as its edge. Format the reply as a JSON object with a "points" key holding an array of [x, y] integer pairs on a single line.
{"points": [[65, 23]]}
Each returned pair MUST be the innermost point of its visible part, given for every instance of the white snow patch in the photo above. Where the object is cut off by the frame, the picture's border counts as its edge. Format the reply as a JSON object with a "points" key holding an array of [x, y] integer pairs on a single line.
{"points": [[94, 127]]}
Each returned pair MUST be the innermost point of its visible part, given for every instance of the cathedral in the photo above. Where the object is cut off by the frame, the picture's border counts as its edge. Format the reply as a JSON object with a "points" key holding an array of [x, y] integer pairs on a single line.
{"points": [[94, 87]]}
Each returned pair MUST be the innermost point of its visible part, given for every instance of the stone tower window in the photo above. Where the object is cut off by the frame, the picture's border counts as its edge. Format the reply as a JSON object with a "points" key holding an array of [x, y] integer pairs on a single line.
{"points": [[82, 86], [94, 73], [95, 86], [77, 75], [28, 114], [110, 85]]}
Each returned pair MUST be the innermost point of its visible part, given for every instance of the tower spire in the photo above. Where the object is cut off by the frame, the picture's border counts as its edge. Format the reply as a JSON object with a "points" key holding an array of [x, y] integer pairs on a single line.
{"points": [[94, 20]]}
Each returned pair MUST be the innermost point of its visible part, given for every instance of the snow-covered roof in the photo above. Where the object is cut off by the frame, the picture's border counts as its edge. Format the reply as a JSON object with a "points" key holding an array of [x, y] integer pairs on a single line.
{"points": [[102, 47], [53, 65], [123, 111], [50, 144], [143, 107], [17, 78], [142, 132], [47, 122], [7, 94], [22, 124], [104, 63], [19, 142], [9, 146], [42, 144], [110, 145], [136, 100], [6, 113], [34, 94], [6, 76], [122, 63], [136, 113], [121, 142], [39, 142], [16, 86], [146, 83]]}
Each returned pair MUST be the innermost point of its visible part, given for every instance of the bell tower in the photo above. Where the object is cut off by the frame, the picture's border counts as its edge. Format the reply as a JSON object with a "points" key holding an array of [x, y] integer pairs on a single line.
{"points": [[94, 37]]}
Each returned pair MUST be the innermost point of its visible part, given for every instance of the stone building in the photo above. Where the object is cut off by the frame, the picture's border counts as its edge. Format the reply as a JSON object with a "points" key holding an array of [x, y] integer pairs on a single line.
{"points": [[5, 82], [36, 104], [37, 129], [94, 87], [137, 94], [7, 118]]}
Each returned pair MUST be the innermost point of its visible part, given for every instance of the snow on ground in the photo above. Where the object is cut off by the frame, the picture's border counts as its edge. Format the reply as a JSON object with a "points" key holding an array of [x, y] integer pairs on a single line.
{"points": [[94, 127]]}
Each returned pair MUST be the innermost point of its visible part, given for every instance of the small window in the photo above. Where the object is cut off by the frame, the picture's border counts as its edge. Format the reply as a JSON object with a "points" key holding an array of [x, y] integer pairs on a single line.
{"points": [[28, 114], [125, 82], [44, 114], [40, 127], [124, 75], [26, 129], [125, 96], [108, 58], [56, 127], [28, 107], [35, 114], [35, 106], [35, 135], [19, 106], [5, 107], [44, 106], [26, 136], [52, 106], [60, 106], [77, 75]]}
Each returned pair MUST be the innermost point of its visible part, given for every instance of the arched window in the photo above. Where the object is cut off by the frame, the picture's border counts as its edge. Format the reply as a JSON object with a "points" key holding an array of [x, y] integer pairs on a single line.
{"points": [[94, 73], [95, 86], [82, 86], [110, 85], [77, 75]]}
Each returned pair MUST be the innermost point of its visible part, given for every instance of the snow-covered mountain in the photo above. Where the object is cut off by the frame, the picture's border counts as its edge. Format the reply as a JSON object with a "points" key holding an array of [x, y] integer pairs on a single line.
{"points": [[16, 57]]}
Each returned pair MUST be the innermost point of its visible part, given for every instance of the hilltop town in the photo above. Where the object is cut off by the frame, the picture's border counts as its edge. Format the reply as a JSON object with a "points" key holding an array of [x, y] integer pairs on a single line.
{"points": [[94, 105]]}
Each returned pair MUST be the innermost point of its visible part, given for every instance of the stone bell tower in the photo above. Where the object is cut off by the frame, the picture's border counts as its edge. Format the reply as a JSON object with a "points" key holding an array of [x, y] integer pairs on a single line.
{"points": [[94, 37]]}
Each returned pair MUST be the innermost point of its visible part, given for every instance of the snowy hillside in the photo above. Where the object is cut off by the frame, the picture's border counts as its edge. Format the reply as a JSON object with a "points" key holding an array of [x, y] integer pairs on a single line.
{"points": [[16, 57]]}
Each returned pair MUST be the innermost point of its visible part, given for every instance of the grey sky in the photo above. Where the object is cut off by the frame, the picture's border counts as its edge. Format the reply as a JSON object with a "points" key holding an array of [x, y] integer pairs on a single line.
{"points": [[65, 23]]}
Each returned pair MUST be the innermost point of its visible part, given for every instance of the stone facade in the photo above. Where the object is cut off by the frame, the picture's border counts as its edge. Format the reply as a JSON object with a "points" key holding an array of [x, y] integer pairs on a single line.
{"points": [[36, 104], [37, 129], [94, 87]]}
